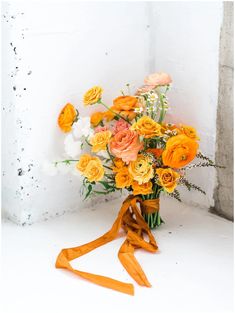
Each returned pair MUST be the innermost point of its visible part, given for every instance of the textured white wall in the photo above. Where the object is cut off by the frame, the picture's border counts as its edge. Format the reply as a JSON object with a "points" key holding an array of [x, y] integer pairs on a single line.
{"points": [[53, 52], [187, 46]]}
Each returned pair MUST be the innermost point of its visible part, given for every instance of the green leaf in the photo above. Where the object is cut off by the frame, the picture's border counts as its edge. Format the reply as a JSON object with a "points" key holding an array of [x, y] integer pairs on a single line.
{"points": [[88, 192]]}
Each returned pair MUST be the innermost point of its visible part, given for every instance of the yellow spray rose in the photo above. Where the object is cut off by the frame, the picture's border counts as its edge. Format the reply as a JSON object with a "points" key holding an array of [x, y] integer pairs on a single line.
{"points": [[141, 170], [143, 189], [167, 178], [147, 127], [94, 170], [100, 140], [83, 162], [189, 132], [93, 95], [123, 178], [96, 118]]}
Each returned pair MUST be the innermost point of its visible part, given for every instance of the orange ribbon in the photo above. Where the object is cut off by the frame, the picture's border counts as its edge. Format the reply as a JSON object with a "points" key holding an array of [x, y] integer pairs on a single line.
{"points": [[131, 220]]}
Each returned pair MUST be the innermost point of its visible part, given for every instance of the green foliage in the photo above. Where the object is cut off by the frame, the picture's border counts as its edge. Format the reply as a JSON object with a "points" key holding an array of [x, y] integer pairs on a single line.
{"points": [[190, 186]]}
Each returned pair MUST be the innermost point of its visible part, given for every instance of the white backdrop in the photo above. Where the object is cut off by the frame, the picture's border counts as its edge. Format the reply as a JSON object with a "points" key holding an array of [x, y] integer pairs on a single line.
{"points": [[52, 53]]}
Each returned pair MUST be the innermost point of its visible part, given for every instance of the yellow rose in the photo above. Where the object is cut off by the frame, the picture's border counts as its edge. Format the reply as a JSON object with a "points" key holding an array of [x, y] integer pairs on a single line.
{"points": [[66, 117], [96, 118], [93, 95], [83, 162], [100, 140], [94, 170], [167, 178], [189, 132], [123, 178], [118, 165], [143, 189], [141, 170], [147, 127]]}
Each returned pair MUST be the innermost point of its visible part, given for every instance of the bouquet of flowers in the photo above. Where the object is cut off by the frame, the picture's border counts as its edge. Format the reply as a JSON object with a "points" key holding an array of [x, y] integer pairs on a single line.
{"points": [[129, 145]]}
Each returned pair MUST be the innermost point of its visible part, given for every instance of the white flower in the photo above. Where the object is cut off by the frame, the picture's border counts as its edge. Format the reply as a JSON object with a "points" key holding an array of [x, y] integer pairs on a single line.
{"points": [[82, 128], [49, 168], [72, 147]]}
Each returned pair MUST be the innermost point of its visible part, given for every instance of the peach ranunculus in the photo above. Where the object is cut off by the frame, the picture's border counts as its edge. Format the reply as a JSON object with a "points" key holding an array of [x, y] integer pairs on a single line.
{"points": [[94, 170], [143, 189], [126, 145], [67, 117], [125, 106], [96, 118], [158, 79], [147, 127], [144, 89], [189, 131], [141, 169], [123, 178], [179, 151], [100, 140], [118, 165], [93, 95], [167, 178], [120, 125]]}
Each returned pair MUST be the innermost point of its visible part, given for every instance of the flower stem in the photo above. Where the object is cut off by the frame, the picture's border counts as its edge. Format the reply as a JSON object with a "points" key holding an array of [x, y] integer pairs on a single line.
{"points": [[113, 111]]}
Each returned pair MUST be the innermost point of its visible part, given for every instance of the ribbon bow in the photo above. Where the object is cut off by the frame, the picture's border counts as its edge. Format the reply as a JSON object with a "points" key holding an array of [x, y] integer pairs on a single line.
{"points": [[131, 220]]}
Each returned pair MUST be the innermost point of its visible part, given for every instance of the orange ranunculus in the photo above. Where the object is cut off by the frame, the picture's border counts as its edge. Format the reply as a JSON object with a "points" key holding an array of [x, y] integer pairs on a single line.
{"points": [[180, 150], [147, 127], [156, 152], [108, 115], [189, 131], [66, 118], [123, 178], [167, 178], [125, 106], [126, 145], [142, 189], [96, 118], [118, 164], [100, 140], [93, 95], [125, 103], [170, 129]]}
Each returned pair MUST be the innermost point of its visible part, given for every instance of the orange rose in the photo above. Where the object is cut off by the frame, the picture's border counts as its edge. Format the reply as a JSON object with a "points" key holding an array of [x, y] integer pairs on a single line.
{"points": [[66, 118], [118, 165], [180, 150], [96, 118], [189, 131], [167, 178], [147, 127], [126, 145], [143, 189], [123, 178]]}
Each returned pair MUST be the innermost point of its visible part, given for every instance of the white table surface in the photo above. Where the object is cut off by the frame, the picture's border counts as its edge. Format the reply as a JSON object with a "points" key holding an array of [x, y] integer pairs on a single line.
{"points": [[192, 272]]}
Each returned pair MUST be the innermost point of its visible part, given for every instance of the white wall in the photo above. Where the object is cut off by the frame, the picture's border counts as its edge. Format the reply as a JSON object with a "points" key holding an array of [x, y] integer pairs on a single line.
{"points": [[62, 49]]}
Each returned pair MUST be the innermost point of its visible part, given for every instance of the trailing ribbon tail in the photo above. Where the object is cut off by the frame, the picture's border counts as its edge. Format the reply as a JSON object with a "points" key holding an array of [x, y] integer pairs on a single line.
{"points": [[131, 220]]}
